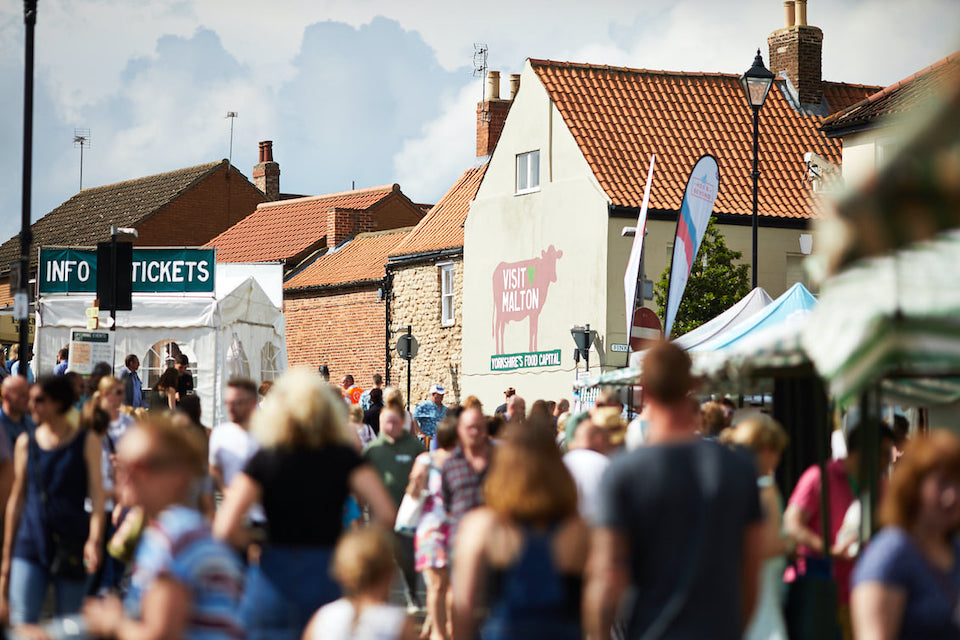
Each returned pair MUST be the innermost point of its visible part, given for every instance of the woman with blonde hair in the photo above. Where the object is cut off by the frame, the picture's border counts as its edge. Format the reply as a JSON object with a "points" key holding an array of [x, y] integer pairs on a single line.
{"points": [[526, 548], [302, 475], [472, 402], [907, 581], [109, 397], [361, 432], [363, 566], [393, 400], [767, 440]]}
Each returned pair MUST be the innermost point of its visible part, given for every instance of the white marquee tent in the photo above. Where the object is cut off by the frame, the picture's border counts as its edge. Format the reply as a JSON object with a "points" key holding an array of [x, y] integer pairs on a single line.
{"points": [[239, 332]]}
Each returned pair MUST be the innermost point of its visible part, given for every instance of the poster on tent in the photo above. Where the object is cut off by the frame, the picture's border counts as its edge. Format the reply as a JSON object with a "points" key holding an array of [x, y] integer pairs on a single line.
{"points": [[632, 278], [88, 348], [698, 199]]}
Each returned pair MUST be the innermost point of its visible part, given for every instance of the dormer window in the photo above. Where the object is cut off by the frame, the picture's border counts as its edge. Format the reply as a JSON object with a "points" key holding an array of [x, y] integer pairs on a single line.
{"points": [[528, 171]]}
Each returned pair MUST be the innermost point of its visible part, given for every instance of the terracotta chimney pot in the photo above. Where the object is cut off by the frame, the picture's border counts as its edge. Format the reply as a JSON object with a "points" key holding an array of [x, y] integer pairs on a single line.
{"points": [[801, 12], [789, 13], [493, 85], [514, 85]]}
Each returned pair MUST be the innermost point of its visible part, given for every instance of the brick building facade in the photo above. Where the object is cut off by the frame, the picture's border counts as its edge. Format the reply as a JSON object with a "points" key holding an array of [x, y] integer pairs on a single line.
{"points": [[334, 308], [322, 337]]}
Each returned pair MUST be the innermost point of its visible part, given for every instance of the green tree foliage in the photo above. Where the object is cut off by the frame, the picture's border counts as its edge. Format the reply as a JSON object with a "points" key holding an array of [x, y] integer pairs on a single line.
{"points": [[715, 284]]}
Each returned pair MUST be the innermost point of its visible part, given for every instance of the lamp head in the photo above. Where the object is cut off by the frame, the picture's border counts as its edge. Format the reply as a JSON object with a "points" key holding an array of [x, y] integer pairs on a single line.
{"points": [[756, 82]]}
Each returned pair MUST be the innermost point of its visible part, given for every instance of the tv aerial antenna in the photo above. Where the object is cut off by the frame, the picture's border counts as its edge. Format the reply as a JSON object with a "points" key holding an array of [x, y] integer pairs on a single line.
{"points": [[81, 138], [232, 115], [480, 69]]}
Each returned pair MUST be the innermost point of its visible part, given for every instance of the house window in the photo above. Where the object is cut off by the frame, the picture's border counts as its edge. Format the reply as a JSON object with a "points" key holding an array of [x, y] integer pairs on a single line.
{"points": [[446, 296], [269, 362], [528, 171]]}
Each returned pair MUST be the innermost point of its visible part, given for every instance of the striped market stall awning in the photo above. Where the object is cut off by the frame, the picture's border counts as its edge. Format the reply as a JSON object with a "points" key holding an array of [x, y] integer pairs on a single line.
{"points": [[895, 318]]}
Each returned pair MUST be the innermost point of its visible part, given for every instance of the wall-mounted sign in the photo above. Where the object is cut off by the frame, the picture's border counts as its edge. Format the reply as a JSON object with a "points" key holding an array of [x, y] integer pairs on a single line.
{"points": [[620, 348], [154, 270], [511, 361], [10, 328], [520, 290], [88, 348]]}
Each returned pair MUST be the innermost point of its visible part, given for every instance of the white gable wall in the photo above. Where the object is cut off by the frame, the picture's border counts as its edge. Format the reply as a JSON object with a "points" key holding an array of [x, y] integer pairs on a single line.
{"points": [[569, 212]]}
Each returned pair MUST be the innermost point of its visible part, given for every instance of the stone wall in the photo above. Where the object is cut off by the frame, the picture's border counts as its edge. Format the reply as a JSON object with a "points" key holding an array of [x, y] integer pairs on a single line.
{"points": [[416, 301]]}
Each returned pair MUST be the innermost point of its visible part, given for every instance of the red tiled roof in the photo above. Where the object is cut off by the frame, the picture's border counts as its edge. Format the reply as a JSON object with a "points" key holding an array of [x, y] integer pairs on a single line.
{"points": [[899, 97], [360, 260], [284, 229], [442, 228], [620, 116]]}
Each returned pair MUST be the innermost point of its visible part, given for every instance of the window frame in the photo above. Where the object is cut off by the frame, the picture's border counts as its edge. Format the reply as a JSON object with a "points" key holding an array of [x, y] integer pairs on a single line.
{"points": [[451, 319], [528, 173], [269, 362]]}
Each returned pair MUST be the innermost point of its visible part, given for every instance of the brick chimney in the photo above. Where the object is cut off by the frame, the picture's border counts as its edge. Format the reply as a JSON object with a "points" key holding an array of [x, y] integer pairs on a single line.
{"points": [[492, 112], [343, 223], [796, 49], [266, 173]]}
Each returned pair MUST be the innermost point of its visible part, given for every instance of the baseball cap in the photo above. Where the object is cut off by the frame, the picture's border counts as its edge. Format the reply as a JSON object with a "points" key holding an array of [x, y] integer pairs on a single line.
{"points": [[437, 389], [571, 426]]}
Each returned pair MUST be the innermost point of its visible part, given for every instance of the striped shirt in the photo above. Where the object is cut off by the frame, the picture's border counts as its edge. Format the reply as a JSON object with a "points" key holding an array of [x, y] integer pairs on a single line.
{"points": [[178, 545]]}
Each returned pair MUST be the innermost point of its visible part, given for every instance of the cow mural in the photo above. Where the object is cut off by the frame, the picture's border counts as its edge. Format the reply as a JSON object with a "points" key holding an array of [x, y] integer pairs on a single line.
{"points": [[520, 290]]}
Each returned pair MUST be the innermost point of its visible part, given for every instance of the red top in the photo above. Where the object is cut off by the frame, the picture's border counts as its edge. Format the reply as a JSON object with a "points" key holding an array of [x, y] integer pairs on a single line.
{"points": [[806, 495]]}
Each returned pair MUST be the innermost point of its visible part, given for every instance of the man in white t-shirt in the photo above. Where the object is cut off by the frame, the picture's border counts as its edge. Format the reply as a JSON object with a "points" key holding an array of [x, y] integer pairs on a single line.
{"points": [[231, 444], [588, 457]]}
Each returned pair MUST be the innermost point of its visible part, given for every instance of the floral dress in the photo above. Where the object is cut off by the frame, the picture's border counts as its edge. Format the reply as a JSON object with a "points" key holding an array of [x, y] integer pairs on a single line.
{"points": [[433, 531]]}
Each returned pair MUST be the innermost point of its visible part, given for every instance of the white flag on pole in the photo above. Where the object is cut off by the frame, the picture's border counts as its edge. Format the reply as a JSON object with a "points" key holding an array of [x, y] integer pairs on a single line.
{"points": [[632, 284]]}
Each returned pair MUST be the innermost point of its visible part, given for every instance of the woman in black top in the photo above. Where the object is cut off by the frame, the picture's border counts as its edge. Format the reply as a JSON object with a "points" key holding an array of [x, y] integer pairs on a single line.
{"points": [[163, 397], [302, 476]]}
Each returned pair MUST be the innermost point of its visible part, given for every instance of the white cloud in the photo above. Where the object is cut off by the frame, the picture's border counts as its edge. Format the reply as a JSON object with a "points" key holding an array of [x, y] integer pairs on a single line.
{"points": [[426, 166]]}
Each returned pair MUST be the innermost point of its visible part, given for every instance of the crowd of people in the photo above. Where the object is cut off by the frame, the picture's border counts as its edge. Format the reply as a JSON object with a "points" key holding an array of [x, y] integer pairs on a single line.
{"points": [[302, 514]]}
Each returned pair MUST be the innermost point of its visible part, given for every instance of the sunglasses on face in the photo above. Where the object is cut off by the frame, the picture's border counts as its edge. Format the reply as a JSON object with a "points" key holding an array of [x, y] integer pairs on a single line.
{"points": [[147, 465]]}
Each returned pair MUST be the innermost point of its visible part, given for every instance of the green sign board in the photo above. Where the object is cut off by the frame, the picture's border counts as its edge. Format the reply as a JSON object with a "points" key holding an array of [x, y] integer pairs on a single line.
{"points": [[154, 270], [511, 361]]}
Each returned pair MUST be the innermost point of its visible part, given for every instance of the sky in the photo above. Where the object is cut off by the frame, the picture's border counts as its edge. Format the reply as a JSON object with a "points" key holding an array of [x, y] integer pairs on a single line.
{"points": [[365, 92]]}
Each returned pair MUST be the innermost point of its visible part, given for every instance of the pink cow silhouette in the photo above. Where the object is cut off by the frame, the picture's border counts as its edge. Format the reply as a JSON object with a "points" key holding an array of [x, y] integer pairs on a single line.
{"points": [[520, 290]]}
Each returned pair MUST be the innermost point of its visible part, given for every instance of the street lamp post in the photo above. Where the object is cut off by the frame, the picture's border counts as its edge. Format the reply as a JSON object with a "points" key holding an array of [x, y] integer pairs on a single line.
{"points": [[756, 82], [26, 235]]}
